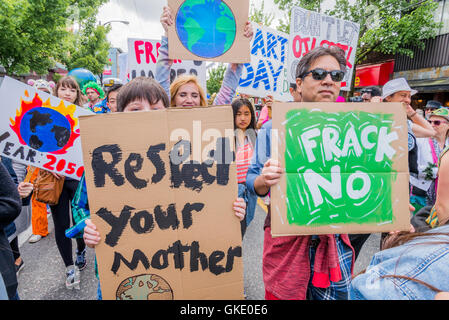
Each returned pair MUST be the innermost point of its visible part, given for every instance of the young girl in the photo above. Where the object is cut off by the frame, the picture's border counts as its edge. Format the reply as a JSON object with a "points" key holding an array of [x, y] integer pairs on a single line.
{"points": [[68, 89], [245, 138]]}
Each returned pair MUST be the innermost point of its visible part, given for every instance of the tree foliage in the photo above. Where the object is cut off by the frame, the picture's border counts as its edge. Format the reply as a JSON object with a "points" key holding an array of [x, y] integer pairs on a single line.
{"points": [[259, 16], [34, 33], [88, 49], [386, 26], [215, 79]]}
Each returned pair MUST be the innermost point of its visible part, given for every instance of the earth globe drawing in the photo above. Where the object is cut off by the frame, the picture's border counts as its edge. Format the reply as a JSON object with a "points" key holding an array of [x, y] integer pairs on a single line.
{"points": [[144, 287], [207, 28], [45, 130]]}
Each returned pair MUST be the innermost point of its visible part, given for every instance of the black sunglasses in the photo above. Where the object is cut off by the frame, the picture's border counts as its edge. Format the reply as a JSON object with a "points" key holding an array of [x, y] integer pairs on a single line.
{"points": [[436, 122], [320, 74]]}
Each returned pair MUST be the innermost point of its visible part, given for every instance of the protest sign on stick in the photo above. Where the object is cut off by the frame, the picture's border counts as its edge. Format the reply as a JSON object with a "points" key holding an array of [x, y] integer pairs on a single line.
{"points": [[311, 29], [346, 168], [142, 58], [266, 73], [209, 30], [40, 130], [161, 194]]}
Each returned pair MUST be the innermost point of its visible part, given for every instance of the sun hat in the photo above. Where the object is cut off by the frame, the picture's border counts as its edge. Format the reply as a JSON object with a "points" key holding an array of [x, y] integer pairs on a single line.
{"points": [[396, 85], [441, 112], [433, 104]]}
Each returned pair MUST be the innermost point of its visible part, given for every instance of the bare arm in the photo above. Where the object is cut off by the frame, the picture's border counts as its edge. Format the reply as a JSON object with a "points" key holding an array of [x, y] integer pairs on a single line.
{"points": [[421, 128]]}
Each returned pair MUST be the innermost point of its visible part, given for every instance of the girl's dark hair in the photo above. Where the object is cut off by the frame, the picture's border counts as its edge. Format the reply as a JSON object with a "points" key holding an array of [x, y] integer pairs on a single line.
{"points": [[403, 237], [113, 88], [69, 82], [141, 88], [251, 129]]}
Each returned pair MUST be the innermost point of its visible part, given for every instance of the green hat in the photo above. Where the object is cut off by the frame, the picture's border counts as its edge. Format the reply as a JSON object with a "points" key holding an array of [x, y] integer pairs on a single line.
{"points": [[441, 112], [95, 86]]}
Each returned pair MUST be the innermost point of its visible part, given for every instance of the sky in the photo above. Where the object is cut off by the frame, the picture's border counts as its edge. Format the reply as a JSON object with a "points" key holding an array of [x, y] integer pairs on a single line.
{"points": [[143, 17]]}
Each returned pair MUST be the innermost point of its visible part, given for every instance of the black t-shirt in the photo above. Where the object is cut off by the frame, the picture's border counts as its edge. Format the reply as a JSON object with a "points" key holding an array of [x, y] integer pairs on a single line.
{"points": [[412, 152]]}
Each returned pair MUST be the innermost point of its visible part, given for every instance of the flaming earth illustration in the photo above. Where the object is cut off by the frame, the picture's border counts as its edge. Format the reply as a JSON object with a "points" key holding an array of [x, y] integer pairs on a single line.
{"points": [[44, 127]]}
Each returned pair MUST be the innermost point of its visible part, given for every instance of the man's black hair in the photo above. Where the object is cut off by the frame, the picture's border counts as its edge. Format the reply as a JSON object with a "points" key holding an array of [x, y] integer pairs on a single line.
{"points": [[113, 88], [374, 91]]}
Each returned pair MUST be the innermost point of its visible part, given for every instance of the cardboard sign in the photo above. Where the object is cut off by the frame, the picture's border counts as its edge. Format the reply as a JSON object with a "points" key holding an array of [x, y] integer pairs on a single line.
{"points": [[310, 29], [346, 168], [161, 194], [142, 58], [209, 30], [266, 72], [40, 130]]}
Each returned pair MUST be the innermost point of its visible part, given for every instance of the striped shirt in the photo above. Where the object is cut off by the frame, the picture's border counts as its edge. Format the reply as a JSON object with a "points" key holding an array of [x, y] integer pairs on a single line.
{"points": [[243, 158]]}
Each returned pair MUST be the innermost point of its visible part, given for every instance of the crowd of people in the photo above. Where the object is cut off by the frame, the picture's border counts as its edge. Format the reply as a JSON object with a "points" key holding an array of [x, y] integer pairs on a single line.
{"points": [[409, 265]]}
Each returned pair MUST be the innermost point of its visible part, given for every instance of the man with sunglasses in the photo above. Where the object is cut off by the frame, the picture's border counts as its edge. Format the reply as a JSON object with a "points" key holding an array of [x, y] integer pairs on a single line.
{"points": [[369, 93], [293, 265], [431, 106]]}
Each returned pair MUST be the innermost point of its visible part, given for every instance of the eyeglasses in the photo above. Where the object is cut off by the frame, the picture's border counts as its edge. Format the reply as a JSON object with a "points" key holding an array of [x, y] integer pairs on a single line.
{"points": [[437, 122], [320, 74]]}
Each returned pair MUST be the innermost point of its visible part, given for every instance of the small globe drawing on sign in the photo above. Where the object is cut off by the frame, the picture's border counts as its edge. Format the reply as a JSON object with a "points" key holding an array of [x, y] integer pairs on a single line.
{"points": [[207, 28], [144, 287], [45, 130]]}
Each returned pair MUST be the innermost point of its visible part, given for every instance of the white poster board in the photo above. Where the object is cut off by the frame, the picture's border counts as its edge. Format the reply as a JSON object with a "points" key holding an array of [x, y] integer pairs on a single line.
{"points": [[309, 29], [40, 130], [123, 67], [266, 73], [142, 59]]}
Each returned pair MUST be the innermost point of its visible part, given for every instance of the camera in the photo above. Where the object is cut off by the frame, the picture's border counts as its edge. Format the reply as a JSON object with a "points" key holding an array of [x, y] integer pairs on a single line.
{"points": [[356, 99], [258, 107]]}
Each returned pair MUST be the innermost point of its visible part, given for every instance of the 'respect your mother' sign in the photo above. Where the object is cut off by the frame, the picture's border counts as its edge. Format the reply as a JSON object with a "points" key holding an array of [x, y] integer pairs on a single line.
{"points": [[161, 194], [40, 130], [346, 168], [309, 29], [266, 72]]}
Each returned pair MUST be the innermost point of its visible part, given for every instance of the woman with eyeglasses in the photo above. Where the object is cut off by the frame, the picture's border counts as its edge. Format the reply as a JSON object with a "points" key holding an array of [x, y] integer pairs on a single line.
{"points": [[430, 150], [441, 208], [429, 153]]}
